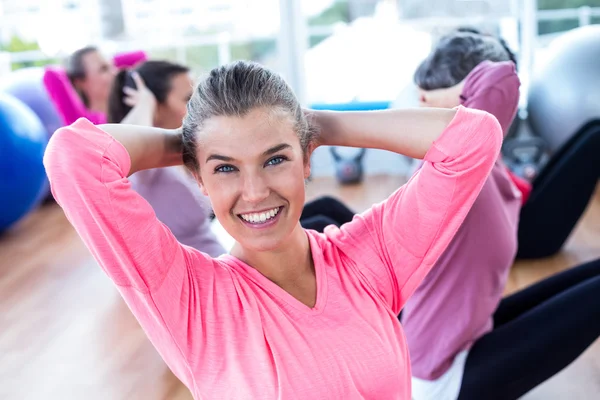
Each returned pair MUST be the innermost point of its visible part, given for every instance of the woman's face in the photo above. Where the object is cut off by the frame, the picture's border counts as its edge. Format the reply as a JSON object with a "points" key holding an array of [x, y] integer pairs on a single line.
{"points": [[441, 98], [253, 170], [99, 76], [170, 113]]}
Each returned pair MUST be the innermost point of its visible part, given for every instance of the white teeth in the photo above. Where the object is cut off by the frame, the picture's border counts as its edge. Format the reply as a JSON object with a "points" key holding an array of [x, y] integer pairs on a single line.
{"points": [[257, 218]]}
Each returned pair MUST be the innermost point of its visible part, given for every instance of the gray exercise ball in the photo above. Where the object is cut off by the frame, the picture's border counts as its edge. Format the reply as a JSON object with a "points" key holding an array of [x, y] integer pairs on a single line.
{"points": [[565, 91]]}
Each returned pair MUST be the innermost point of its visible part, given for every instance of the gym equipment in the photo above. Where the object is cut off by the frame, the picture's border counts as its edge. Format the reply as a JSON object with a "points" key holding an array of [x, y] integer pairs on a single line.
{"points": [[348, 170], [27, 86], [525, 156], [23, 140], [564, 94]]}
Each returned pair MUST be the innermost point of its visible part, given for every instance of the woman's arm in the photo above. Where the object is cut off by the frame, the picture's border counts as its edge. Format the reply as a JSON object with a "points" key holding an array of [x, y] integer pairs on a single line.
{"points": [[65, 98], [87, 169], [493, 87], [394, 244], [161, 187], [148, 147], [410, 132]]}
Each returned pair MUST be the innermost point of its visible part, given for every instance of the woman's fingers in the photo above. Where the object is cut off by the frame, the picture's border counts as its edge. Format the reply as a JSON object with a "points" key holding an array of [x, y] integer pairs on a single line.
{"points": [[139, 82], [130, 101], [130, 91]]}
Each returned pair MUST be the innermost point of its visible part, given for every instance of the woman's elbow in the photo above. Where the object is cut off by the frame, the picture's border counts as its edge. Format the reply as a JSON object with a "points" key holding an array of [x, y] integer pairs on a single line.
{"points": [[492, 137], [54, 155]]}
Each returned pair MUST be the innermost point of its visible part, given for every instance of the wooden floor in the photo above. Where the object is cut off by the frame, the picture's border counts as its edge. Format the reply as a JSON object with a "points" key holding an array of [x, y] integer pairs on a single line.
{"points": [[66, 334]]}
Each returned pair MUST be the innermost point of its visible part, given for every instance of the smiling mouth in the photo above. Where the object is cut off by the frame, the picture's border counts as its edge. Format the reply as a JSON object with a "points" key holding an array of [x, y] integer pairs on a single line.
{"points": [[262, 217]]}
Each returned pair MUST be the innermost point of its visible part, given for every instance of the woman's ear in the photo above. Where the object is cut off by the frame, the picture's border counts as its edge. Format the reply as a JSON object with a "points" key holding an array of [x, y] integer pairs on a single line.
{"points": [[307, 168], [307, 156], [203, 189]]}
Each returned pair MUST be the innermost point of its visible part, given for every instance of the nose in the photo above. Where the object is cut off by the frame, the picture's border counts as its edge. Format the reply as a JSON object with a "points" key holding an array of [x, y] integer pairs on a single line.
{"points": [[255, 188]]}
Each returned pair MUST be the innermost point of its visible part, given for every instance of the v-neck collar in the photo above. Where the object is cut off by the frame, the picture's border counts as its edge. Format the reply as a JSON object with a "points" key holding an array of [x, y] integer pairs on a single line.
{"points": [[265, 283]]}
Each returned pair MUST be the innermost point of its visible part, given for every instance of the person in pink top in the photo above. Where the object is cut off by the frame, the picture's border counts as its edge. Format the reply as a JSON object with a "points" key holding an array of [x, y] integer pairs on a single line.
{"points": [[289, 313], [91, 75], [81, 89], [465, 341]]}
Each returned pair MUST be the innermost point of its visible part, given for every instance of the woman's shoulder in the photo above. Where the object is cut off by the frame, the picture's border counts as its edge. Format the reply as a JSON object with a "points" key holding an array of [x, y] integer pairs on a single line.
{"points": [[336, 244]]}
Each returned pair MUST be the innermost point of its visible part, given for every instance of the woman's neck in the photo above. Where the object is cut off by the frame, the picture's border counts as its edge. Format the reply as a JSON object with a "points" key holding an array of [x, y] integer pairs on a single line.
{"points": [[287, 264], [98, 106]]}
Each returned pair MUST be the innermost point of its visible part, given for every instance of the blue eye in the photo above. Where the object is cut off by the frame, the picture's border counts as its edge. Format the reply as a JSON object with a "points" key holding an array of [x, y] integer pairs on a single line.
{"points": [[224, 169], [276, 160]]}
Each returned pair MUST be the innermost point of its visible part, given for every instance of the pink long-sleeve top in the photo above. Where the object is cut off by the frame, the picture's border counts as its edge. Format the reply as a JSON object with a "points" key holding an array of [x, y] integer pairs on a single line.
{"points": [[227, 331]]}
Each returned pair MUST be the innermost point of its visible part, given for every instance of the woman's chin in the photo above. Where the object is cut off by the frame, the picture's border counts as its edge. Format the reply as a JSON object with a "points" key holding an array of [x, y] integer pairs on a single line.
{"points": [[262, 242]]}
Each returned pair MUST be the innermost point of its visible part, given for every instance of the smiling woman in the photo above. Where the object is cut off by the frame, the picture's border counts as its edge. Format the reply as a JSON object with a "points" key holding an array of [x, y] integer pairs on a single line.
{"points": [[291, 313]]}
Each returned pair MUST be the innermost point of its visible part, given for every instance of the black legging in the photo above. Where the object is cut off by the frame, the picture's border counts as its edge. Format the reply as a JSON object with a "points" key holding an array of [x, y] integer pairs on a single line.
{"points": [[560, 195], [319, 213], [537, 332]]}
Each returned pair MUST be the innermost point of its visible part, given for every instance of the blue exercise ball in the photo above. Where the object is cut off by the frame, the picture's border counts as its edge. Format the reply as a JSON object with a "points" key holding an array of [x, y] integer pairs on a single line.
{"points": [[27, 85], [23, 140]]}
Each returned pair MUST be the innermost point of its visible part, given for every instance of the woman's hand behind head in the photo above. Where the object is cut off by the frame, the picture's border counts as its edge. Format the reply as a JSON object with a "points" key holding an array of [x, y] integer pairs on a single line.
{"points": [[151, 88], [140, 95], [142, 101]]}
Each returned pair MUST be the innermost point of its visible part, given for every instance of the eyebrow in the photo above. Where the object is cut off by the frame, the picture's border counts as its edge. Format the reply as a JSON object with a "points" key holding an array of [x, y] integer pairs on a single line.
{"points": [[267, 152], [275, 149]]}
